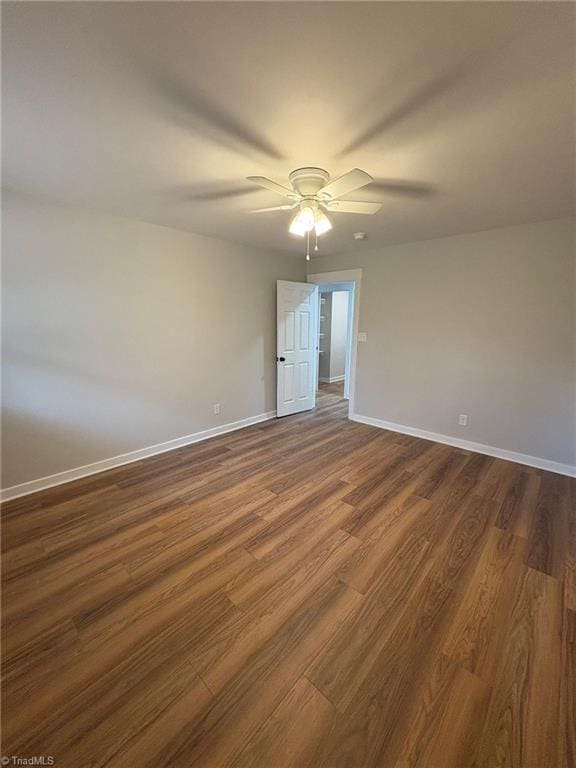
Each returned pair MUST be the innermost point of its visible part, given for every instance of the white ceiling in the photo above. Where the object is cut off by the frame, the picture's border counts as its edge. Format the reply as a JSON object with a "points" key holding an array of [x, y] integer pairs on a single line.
{"points": [[464, 112]]}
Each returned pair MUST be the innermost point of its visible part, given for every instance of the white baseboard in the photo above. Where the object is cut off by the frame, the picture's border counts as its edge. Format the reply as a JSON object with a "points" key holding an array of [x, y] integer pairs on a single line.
{"points": [[67, 476], [325, 380], [42, 483], [467, 445]]}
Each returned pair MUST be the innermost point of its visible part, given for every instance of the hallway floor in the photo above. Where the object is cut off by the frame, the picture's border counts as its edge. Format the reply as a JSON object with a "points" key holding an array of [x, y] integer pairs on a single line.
{"points": [[335, 390]]}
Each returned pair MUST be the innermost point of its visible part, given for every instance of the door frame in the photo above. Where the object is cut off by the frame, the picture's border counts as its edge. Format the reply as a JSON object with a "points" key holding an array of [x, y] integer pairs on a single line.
{"points": [[345, 276]]}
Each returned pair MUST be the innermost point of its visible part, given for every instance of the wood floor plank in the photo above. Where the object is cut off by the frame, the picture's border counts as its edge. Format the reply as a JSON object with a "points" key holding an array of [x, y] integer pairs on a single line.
{"points": [[476, 620], [266, 594], [378, 708], [446, 722], [522, 725], [199, 578], [457, 553], [301, 562], [272, 612], [548, 535], [519, 504], [440, 474], [569, 500], [382, 494], [396, 522], [497, 481], [567, 709], [147, 748], [86, 692], [289, 737], [26, 626], [254, 690], [350, 656], [289, 530]]}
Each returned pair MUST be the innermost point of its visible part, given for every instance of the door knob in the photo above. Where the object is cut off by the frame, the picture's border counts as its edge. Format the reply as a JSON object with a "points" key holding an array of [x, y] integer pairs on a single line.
{"points": [[280, 359]]}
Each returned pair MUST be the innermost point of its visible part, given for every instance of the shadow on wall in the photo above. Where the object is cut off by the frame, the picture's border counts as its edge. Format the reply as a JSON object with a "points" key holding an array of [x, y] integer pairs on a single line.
{"points": [[57, 416], [41, 441]]}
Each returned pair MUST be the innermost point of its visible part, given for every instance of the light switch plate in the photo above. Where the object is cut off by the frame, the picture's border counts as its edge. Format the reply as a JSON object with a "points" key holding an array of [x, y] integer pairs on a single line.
{"points": [[361, 337]]}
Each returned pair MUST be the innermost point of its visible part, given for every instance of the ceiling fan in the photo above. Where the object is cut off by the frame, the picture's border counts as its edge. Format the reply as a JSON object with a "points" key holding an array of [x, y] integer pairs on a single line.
{"points": [[313, 194]]}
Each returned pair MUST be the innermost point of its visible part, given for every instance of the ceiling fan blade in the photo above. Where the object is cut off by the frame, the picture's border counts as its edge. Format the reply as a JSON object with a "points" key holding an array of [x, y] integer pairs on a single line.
{"points": [[262, 181], [351, 206], [349, 182], [274, 208]]}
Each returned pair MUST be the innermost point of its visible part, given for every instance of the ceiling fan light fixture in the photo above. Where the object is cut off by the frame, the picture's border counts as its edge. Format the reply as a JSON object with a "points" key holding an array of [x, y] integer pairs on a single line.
{"points": [[322, 223], [303, 222], [312, 193]]}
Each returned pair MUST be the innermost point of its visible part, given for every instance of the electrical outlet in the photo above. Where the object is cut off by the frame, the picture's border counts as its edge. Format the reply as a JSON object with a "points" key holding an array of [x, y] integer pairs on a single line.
{"points": [[216, 409], [463, 420], [361, 337]]}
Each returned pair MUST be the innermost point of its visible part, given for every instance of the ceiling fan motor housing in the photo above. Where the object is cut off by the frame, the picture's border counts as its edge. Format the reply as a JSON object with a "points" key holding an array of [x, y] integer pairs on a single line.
{"points": [[308, 181]]}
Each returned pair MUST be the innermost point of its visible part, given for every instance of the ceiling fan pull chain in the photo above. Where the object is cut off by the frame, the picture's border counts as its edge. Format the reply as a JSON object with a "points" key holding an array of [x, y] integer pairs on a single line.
{"points": [[308, 245], [316, 248]]}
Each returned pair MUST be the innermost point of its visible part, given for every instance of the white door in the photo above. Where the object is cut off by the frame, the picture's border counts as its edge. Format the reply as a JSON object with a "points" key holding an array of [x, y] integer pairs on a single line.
{"points": [[297, 310]]}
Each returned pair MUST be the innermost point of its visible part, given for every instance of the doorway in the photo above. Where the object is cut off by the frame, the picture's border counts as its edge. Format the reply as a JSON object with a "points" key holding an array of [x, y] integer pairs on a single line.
{"points": [[334, 336], [338, 315]]}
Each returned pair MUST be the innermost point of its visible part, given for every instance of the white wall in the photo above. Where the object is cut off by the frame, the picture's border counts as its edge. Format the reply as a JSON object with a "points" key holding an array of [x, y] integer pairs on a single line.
{"points": [[118, 335], [482, 324], [338, 334]]}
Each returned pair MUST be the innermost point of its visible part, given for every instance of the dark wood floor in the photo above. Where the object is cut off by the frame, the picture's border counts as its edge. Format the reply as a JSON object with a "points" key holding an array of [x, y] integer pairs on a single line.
{"points": [[308, 592]]}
